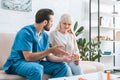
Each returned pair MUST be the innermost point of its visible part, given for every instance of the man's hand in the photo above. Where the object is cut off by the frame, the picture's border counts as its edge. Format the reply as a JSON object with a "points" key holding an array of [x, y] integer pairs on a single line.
{"points": [[58, 51]]}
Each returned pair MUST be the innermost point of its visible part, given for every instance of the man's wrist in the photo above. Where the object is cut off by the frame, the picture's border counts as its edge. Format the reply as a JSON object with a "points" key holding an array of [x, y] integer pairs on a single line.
{"points": [[50, 50], [63, 59]]}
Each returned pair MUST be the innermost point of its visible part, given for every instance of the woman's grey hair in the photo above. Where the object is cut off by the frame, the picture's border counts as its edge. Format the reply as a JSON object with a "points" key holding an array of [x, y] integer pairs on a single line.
{"points": [[65, 18]]}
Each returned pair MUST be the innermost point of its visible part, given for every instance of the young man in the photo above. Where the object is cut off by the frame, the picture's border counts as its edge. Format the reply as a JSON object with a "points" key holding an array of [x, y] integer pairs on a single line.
{"points": [[31, 46]]}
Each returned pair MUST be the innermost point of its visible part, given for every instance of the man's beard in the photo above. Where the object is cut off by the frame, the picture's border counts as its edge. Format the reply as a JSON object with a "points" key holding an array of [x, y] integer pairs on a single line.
{"points": [[46, 27]]}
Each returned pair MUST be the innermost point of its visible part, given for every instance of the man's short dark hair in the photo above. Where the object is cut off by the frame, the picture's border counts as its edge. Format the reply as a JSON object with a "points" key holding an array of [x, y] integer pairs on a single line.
{"points": [[43, 14]]}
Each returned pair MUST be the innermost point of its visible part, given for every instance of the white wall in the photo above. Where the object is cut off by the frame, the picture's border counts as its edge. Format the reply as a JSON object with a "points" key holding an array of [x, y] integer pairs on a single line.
{"points": [[12, 21]]}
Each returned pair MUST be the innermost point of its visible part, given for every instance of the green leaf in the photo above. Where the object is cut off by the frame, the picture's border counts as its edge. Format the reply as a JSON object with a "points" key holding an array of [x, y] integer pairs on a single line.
{"points": [[79, 31], [96, 57], [75, 26]]}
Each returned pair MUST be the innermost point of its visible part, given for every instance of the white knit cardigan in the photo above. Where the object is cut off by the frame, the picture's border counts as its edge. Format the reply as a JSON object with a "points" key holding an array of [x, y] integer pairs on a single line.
{"points": [[70, 47]]}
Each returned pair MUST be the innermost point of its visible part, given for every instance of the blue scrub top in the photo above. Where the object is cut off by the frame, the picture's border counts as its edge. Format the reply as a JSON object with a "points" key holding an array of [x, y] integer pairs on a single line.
{"points": [[26, 40]]}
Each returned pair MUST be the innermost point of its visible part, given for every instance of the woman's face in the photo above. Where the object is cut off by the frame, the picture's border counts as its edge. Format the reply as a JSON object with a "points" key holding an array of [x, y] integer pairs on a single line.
{"points": [[65, 26]]}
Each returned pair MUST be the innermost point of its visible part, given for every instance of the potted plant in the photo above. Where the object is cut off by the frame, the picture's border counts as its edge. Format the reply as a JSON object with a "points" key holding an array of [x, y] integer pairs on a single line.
{"points": [[87, 53]]}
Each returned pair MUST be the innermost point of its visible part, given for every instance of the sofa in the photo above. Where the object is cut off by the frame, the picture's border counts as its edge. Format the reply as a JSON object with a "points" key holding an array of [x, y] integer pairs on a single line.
{"points": [[6, 41]]}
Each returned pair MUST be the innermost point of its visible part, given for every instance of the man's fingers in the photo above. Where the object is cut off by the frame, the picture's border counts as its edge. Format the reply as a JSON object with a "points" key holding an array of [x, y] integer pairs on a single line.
{"points": [[59, 46], [62, 52]]}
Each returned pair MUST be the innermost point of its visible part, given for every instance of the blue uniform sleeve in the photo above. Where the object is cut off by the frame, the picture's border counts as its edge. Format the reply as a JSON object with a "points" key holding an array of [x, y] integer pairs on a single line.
{"points": [[23, 41]]}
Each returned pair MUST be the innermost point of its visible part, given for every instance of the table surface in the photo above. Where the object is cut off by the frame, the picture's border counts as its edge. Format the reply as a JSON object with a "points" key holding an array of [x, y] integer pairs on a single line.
{"points": [[90, 76]]}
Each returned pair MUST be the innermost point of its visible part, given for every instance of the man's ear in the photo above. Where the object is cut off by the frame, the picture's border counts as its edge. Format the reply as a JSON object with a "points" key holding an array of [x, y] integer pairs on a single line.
{"points": [[45, 22]]}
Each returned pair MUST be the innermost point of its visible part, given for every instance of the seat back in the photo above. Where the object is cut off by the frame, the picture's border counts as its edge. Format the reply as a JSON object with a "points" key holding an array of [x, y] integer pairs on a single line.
{"points": [[6, 41]]}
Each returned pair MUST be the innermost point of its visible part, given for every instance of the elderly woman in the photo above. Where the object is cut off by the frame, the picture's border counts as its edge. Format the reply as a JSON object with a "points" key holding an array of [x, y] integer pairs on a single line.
{"points": [[64, 35]]}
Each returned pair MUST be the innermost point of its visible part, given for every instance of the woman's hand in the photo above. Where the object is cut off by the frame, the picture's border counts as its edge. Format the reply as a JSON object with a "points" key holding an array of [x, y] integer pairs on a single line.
{"points": [[67, 58], [76, 58], [77, 62]]}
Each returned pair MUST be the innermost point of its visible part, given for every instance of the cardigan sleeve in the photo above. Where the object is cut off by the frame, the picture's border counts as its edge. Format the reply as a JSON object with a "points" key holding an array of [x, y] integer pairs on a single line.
{"points": [[76, 50], [53, 39]]}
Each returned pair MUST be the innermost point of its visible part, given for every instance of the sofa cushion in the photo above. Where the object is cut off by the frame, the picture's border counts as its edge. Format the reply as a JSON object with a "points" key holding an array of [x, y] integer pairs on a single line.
{"points": [[88, 68], [91, 66], [6, 41], [99, 66], [4, 76]]}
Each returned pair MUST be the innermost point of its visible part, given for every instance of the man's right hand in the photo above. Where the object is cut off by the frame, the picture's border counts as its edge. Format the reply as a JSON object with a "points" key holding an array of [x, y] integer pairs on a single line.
{"points": [[58, 51], [67, 58]]}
